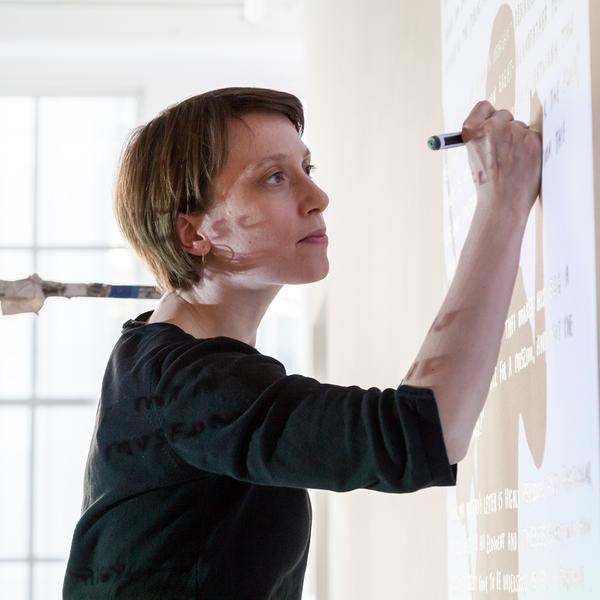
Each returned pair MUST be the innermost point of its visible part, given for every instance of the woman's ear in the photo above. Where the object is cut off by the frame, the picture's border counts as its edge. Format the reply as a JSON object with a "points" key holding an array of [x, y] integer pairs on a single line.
{"points": [[190, 239]]}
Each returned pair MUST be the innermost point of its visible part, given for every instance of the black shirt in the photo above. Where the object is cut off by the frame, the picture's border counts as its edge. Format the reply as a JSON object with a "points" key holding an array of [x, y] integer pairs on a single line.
{"points": [[195, 484]]}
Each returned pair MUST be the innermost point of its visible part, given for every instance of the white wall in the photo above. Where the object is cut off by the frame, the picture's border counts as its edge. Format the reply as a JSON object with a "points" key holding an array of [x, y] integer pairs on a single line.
{"points": [[374, 85]]}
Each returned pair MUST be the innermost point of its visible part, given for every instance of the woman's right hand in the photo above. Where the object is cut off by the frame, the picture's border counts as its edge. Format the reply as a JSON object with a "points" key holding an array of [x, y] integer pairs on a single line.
{"points": [[505, 157]]}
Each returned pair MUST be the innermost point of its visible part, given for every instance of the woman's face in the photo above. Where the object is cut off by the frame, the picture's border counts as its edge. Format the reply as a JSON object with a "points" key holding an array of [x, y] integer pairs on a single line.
{"points": [[265, 203]]}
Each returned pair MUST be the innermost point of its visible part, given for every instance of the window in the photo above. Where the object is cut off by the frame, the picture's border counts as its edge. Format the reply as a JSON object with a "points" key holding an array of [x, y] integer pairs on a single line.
{"points": [[57, 161]]}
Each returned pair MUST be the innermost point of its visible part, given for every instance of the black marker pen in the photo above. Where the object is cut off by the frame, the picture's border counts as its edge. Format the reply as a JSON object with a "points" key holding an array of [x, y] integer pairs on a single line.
{"points": [[445, 140]]}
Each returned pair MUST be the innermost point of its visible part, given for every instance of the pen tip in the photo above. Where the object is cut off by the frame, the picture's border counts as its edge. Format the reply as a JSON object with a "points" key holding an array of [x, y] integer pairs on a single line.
{"points": [[434, 142]]}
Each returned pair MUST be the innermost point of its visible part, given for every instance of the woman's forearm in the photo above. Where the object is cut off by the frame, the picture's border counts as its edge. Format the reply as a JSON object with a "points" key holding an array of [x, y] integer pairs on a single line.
{"points": [[459, 353]]}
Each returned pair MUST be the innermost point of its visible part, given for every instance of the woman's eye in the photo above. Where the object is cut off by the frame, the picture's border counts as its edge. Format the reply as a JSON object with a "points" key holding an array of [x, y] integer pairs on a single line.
{"points": [[308, 169], [278, 174]]}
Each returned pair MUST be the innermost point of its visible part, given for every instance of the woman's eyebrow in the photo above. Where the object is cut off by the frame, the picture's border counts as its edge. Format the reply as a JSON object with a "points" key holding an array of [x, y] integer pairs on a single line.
{"points": [[280, 156]]}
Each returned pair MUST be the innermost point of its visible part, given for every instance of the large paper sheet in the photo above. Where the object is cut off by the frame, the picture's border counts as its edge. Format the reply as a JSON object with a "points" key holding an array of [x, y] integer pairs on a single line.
{"points": [[523, 521]]}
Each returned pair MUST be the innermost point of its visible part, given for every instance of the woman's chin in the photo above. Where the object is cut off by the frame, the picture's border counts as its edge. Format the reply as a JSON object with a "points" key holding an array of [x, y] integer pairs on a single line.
{"points": [[319, 276], [312, 277]]}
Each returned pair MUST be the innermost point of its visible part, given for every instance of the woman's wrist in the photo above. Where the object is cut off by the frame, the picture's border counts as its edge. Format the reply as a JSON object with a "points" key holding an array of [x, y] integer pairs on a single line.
{"points": [[504, 218]]}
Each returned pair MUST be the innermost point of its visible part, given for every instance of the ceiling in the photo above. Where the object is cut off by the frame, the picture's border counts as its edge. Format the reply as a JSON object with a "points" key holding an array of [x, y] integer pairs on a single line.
{"points": [[33, 27]]}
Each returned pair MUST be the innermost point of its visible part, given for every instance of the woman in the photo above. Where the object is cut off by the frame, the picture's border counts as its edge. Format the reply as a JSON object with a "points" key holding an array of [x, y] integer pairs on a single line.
{"points": [[195, 485]]}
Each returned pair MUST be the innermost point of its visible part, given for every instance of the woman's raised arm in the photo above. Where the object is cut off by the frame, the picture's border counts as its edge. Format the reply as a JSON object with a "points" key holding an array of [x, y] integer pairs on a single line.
{"points": [[458, 355]]}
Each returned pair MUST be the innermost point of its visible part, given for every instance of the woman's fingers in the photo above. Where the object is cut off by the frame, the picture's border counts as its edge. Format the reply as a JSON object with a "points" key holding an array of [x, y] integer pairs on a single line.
{"points": [[503, 114], [505, 158], [482, 111], [481, 117]]}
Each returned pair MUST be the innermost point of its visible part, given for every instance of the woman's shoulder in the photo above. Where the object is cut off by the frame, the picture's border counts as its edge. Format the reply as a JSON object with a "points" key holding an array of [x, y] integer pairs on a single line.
{"points": [[147, 342]]}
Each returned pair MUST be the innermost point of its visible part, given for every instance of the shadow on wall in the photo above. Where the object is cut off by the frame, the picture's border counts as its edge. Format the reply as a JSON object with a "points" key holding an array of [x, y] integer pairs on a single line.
{"points": [[492, 464]]}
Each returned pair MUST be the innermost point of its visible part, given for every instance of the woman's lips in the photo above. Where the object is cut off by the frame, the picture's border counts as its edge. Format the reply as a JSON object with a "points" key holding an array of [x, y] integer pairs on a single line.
{"points": [[316, 239]]}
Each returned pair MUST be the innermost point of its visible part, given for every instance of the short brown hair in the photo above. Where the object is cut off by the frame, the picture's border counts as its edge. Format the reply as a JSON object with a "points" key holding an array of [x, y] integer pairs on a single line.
{"points": [[167, 166]]}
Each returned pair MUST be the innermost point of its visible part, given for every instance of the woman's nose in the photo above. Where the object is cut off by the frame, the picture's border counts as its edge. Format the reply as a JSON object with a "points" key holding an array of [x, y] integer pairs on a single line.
{"points": [[318, 196]]}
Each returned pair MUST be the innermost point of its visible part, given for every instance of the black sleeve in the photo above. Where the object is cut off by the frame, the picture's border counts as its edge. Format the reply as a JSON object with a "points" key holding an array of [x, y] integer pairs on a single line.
{"points": [[238, 414]]}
